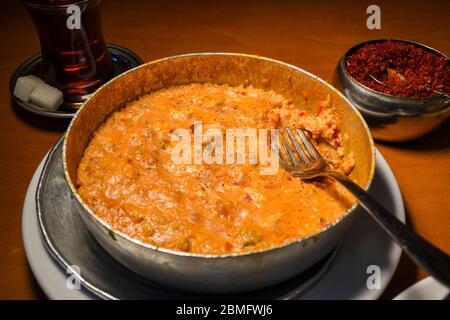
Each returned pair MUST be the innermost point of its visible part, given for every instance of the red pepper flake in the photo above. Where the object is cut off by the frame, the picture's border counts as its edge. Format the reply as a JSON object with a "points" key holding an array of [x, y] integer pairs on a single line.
{"points": [[228, 246], [247, 198], [403, 68]]}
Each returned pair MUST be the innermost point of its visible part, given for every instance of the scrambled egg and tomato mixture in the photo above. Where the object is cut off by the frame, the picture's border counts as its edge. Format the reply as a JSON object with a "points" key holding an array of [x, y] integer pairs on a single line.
{"points": [[127, 178]]}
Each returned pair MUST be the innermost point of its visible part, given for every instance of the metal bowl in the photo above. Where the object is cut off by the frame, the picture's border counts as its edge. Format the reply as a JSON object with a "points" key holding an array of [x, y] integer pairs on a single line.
{"points": [[392, 118], [215, 273]]}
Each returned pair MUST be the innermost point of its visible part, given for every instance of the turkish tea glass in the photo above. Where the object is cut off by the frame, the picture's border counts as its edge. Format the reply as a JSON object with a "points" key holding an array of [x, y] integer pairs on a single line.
{"points": [[75, 58]]}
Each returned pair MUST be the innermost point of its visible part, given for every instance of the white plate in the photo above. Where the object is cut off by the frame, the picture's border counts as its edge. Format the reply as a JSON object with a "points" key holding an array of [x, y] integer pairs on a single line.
{"points": [[426, 289], [366, 244]]}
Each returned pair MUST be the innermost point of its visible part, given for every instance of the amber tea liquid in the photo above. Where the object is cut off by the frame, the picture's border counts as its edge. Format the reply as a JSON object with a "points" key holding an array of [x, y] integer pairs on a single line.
{"points": [[74, 58]]}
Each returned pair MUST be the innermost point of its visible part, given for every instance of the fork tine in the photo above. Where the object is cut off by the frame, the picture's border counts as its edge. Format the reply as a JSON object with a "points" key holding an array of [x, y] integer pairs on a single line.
{"points": [[276, 149], [298, 148], [287, 149], [312, 150]]}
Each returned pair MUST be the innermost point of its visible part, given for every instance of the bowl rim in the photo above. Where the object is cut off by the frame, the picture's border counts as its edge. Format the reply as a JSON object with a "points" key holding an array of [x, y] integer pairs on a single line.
{"points": [[305, 239], [404, 99]]}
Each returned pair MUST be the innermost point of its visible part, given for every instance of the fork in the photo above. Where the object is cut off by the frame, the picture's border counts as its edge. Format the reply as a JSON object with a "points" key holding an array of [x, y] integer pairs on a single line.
{"points": [[302, 160]]}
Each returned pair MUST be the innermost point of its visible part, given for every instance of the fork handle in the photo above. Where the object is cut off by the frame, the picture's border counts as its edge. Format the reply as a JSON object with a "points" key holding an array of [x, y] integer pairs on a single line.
{"points": [[422, 252]]}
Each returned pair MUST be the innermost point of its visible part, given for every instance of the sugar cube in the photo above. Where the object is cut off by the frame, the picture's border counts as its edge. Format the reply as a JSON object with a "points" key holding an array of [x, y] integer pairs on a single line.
{"points": [[25, 85], [47, 96]]}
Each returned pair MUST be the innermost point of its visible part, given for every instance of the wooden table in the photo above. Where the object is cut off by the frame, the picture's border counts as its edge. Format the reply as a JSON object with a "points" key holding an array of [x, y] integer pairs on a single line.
{"points": [[310, 35]]}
